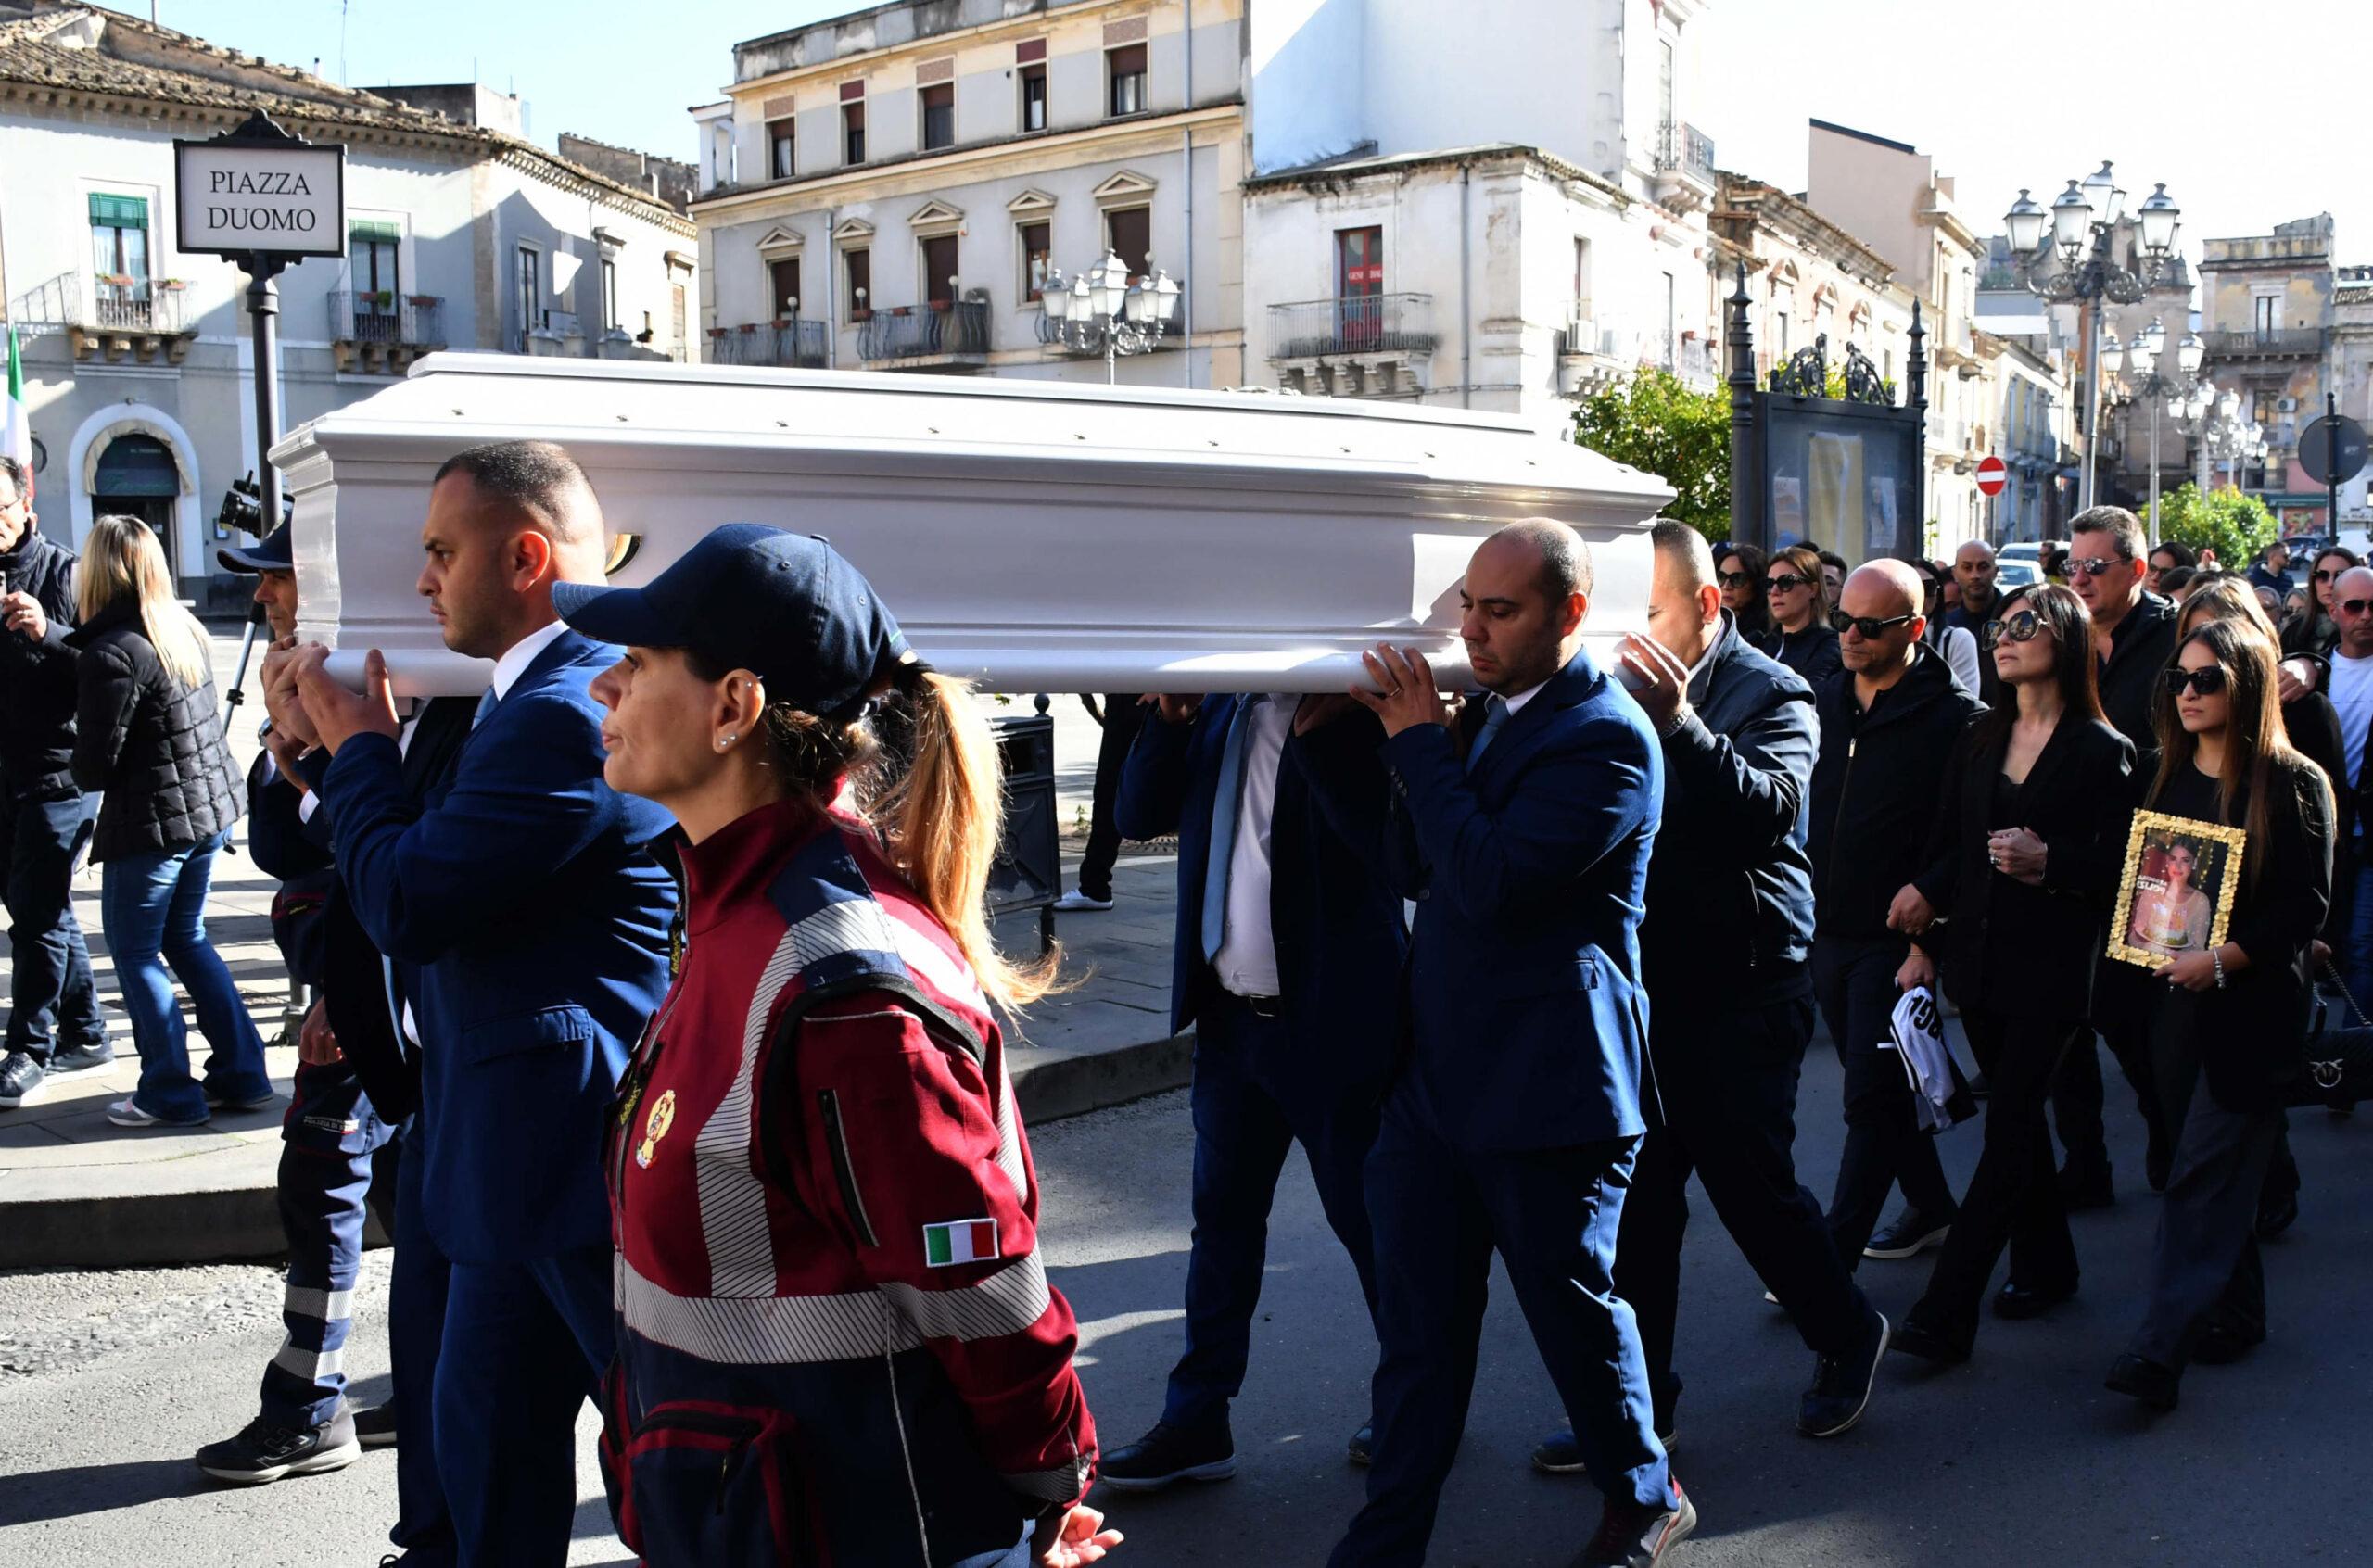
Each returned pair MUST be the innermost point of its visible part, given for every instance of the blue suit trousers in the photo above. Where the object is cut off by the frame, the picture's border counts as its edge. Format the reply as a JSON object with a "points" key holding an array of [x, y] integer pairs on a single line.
{"points": [[1258, 1090], [1438, 1213], [416, 1292], [525, 1346]]}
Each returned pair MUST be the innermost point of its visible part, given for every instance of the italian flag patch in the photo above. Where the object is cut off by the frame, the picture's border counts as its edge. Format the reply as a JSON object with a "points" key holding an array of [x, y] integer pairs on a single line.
{"points": [[960, 1241]]}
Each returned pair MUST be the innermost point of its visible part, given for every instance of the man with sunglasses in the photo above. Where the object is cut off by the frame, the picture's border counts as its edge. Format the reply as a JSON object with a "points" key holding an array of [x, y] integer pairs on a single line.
{"points": [[2133, 638], [2273, 571], [2352, 695], [1889, 721]]}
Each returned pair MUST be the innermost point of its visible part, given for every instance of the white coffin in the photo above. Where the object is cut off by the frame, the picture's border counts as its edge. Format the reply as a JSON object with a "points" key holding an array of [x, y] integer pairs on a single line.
{"points": [[1034, 536]]}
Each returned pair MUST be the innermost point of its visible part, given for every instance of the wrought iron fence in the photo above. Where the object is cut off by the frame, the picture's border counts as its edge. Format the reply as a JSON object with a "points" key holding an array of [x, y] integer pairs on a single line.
{"points": [[801, 345], [101, 303], [916, 332], [411, 321], [2269, 341], [1360, 324], [1685, 148]]}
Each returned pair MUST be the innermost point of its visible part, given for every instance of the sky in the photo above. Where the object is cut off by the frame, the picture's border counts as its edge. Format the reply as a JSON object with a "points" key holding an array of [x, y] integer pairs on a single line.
{"points": [[2241, 106]]}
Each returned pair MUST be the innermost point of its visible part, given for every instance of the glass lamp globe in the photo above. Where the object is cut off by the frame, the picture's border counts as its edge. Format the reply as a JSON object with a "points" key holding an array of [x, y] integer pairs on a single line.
{"points": [[2071, 219], [2025, 224]]}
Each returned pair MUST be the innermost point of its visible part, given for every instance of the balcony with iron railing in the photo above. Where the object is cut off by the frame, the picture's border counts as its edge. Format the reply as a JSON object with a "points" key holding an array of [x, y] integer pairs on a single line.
{"points": [[2264, 343], [382, 330], [1399, 325], [113, 314], [926, 337], [1685, 163], [791, 344]]}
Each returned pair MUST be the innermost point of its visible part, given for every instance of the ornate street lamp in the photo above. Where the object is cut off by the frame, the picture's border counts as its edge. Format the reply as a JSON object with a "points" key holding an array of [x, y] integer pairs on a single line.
{"points": [[2077, 266], [2146, 373], [1101, 310]]}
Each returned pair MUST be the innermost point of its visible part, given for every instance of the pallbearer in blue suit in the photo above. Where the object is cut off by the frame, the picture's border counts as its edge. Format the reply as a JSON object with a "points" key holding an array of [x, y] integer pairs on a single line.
{"points": [[1523, 833], [520, 901]]}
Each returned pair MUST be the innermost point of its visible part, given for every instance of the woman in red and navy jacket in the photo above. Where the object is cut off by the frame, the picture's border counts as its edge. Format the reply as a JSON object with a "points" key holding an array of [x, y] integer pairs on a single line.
{"points": [[836, 1340]]}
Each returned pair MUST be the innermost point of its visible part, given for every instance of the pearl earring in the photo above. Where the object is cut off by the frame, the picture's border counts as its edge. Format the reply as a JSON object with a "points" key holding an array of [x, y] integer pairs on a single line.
{"points": [[726, 742]]}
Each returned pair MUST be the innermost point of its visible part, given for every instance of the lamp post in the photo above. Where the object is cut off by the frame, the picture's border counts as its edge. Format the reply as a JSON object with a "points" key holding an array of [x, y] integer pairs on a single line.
{"points": [[2219, 431], [2146, 376], [2077, 266], [1101, 309]]}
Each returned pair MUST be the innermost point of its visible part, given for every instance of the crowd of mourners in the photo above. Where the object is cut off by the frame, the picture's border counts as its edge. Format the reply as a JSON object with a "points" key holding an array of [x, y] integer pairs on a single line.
{"points": [[653, 1003]]}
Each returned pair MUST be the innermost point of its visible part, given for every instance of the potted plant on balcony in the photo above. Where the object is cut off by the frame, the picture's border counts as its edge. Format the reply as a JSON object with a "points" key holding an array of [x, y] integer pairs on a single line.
{"points": [[422, 300], [384, 299], [117, 280], [173, 286]]}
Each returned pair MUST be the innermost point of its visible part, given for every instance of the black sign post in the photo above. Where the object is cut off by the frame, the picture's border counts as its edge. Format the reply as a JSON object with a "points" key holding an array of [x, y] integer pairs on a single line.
{"points": [[2332, 451], [1846, 472], [264, 198]]}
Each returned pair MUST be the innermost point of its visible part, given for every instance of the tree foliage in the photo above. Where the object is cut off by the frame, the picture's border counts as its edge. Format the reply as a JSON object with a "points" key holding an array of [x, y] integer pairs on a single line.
{"points": [[1656, 423], [2233, 523]]}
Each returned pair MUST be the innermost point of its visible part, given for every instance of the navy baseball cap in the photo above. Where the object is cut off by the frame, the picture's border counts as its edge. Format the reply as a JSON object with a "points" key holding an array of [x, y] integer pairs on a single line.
{"points": [[784, 606], [275, 552]]}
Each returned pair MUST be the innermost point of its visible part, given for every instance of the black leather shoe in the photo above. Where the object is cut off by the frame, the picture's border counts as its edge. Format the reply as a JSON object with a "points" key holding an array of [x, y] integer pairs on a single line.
{"points": [[2086, 1187], [1915, 1338], [1362, 1447], [2138, 1377], [2016, 1301], [1842, 1386], [1169, 1453], [2277, 1215], [1908, 1235], [1632, 1537]]}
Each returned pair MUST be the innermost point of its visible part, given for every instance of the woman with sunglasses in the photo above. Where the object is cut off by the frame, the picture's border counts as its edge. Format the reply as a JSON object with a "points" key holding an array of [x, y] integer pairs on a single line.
{"points": [[1800, 636], [2021, 872], [2228, 1031], [1739, 568], [836, 1341], [2316, 632]]}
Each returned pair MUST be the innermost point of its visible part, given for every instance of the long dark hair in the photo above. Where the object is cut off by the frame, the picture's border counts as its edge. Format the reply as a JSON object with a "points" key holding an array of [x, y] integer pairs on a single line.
{"points": [[2066, 621], [2315, 631], [2258, 752], [1754, 621]]}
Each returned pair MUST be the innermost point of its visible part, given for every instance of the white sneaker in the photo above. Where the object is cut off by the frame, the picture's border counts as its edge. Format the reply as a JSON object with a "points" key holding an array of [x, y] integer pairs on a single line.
{"points": [[1075, 901], [123, 1113]]}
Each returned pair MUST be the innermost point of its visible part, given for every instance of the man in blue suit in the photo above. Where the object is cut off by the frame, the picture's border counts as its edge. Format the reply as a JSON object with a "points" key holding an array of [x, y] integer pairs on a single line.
{"points": [[530, 928], [1524, 831], [1285, 926]]}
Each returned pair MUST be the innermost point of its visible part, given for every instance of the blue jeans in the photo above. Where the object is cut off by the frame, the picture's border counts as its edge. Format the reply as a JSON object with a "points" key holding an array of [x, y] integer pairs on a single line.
{"points": [[2355, 965], [152, 908], [52, 1000]]}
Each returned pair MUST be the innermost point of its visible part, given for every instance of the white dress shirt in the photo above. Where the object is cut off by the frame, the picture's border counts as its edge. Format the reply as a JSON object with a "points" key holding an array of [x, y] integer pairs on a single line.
{"points": [[522, 653], [1247, 961], [1516, 705]]}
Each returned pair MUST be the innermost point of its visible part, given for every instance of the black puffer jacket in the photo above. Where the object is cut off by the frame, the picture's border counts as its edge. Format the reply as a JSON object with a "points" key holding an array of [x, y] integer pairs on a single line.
{"points": [[153, 745], [37, 679]]}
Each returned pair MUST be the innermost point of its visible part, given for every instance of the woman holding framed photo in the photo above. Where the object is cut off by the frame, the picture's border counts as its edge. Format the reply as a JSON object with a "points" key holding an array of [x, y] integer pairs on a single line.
{"points": [[2023, 864], [2228, 1035]]}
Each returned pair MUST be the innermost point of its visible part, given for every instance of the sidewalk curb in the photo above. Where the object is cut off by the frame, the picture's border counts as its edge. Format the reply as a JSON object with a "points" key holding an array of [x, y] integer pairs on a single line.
{"points": [[226, 1224]]}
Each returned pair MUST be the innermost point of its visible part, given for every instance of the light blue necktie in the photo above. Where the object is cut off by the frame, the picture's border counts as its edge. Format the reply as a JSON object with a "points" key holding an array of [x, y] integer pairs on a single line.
{"points": [[1226, 807], [486, 706], [1495, 714]]}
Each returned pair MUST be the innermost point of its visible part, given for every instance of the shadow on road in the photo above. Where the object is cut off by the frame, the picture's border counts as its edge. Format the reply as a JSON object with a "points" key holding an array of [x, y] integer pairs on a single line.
{"points": [[38, 1495]]}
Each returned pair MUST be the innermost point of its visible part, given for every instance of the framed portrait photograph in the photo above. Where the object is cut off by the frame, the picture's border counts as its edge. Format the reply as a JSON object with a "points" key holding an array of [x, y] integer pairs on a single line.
{"points": [[2176, 894]]}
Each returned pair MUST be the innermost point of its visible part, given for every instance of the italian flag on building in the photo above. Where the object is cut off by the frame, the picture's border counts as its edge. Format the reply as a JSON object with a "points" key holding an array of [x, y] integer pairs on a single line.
{"points": [[960, 1241], [15, 424]]}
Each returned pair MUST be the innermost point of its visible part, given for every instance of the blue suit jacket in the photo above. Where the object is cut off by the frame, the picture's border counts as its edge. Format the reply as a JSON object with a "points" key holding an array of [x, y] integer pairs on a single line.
{"points": [[1336, 919], [1528, 1020], [531, 925]]}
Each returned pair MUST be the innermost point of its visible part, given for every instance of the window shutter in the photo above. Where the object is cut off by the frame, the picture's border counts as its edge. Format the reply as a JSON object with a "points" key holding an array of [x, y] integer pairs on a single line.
{"points": [[119, 212], [378, 230]]}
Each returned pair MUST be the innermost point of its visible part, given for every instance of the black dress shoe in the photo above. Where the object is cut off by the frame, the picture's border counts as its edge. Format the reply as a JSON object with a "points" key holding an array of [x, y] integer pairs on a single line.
{"points": [[1362, 1447], [1916, 1338], [2085, 1186], [1170, 1453], [2277, 1215], [1842, 1385], [1908, 1235], [2016, 1301], [2139, 1377]]}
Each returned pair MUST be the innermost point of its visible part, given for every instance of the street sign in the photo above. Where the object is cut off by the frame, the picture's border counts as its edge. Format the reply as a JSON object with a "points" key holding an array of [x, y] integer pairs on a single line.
{"points": [[2332, 450], [258, 191], [1991, 477]]}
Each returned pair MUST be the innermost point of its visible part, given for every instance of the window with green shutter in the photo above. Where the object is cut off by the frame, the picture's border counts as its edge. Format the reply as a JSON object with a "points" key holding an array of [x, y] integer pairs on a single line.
{"points": [[119, 246]]}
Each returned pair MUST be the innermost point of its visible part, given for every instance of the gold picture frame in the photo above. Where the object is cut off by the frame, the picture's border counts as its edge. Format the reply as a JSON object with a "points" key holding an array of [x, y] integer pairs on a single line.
{"points": [[2174, 895]]}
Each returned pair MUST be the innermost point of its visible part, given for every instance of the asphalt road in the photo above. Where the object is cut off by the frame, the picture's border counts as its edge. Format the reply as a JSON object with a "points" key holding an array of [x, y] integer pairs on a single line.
{"points": [[107, 1381]]}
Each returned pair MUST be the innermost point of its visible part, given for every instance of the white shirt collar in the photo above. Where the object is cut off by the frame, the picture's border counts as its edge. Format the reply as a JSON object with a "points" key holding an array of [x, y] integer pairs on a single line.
{"points": [[522, 653], [1515, 703]]}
